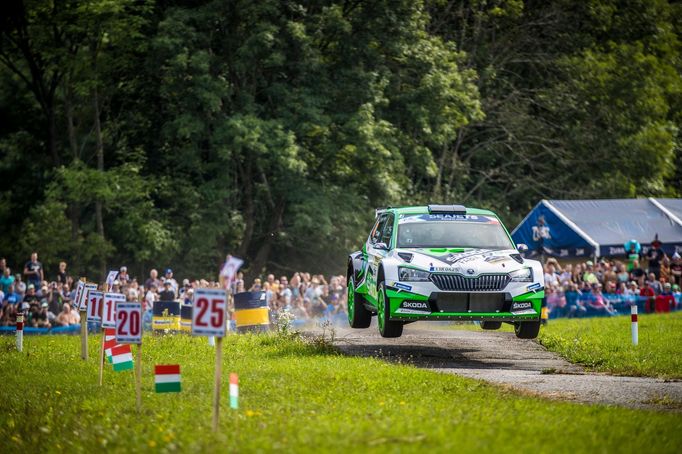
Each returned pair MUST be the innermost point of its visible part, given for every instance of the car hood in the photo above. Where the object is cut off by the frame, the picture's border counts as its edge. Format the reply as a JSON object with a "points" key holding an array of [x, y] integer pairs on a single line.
{"points": [[466, 261]]}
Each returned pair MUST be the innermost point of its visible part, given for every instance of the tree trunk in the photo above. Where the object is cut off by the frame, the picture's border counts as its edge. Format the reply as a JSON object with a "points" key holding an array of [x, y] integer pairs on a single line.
{"points": [[74, 208], [100, 167], [70, 127], [439, 177], [249, 210], [261, 259], [52, 133]]}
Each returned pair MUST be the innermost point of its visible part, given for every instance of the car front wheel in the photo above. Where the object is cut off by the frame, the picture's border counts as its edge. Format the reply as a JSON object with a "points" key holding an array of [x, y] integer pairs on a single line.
{"points": [[358, 315], [387, 327], [527, 330]]}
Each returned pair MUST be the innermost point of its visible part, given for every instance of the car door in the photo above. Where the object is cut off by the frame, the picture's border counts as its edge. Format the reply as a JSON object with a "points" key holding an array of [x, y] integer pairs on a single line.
{"points": [[383, 227]]}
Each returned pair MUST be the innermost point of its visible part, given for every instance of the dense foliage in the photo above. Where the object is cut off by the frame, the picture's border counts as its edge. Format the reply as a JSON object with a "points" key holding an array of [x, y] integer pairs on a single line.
{"points": [[171, 132]]}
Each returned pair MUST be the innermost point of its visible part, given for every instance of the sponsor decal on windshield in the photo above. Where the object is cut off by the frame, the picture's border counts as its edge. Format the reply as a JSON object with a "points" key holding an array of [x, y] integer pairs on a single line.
{"points": [[446, 217]]}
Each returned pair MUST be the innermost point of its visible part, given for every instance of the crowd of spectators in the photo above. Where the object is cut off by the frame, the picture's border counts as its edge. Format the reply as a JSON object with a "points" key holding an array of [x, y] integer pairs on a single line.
{"points": [[610, 286], [44, 304], [607, 287], [48, 304], [303, 296]]}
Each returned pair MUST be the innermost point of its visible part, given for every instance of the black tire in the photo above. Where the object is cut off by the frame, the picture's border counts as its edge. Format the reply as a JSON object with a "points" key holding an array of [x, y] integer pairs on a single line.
{"points": [[358, 315], [491, 325], [527, 330], [388, 328]]}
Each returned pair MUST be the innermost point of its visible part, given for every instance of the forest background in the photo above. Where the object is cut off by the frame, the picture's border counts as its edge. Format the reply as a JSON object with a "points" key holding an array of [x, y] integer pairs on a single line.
{"points": [[170, 132]]}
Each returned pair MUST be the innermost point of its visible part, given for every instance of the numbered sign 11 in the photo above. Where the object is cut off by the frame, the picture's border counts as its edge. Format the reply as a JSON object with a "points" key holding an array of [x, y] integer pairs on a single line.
{"points": [[109, 309], [83, 300], [79, 292], [129, 323], [209, 312], [95, 305]]}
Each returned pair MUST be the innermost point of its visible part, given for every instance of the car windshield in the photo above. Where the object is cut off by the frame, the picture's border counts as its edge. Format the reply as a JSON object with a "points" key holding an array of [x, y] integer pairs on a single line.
{"points": [[429, 231]]}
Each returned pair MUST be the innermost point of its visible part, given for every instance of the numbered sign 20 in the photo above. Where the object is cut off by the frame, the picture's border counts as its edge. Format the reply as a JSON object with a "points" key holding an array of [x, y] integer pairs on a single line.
{"points": [[95, 305], [209, 312], [83, 300], [109, 309], [129, 323]]}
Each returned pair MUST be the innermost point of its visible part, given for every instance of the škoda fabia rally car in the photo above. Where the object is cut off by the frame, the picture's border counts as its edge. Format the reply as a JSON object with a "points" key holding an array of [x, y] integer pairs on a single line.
{"points": [[443, 262]]}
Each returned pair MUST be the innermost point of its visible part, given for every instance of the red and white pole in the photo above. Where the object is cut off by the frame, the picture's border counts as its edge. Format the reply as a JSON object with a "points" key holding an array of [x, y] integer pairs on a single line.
{"points": [[635, 329], [20, 332]]}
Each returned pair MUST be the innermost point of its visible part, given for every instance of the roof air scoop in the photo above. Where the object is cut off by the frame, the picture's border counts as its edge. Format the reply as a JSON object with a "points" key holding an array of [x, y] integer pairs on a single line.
{"points": [[447, 209]]}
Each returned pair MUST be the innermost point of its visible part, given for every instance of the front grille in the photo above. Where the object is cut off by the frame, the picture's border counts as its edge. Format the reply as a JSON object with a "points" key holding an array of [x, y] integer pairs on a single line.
{"points": [[482, 283]]}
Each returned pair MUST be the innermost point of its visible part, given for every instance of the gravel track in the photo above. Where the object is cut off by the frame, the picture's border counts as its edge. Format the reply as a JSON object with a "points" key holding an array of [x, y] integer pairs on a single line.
{"points": [[502, 359]]}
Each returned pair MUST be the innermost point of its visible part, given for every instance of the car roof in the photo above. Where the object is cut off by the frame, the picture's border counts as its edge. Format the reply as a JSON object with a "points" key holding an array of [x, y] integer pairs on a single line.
{"points": [[425, 210]]}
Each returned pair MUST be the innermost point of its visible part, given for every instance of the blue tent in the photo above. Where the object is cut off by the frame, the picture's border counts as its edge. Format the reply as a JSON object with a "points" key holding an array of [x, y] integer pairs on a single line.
{"points": [[600, 228]]}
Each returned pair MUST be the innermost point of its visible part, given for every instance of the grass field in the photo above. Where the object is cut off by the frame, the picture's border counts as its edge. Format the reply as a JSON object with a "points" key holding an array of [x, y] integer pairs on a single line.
{"points": [[294, 396], [605, 344]]}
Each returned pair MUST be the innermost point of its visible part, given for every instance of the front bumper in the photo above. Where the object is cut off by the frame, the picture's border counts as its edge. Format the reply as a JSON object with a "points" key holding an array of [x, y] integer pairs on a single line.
{"points": [[435, 304]]}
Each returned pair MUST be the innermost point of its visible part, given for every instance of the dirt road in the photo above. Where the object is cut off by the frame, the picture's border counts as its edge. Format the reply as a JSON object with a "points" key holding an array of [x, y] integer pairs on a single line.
{"points": [[502, 359]]}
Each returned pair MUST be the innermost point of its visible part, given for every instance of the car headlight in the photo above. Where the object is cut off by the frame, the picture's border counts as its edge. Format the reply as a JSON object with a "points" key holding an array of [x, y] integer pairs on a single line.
{"points": [[522, 275], [410, 274]]}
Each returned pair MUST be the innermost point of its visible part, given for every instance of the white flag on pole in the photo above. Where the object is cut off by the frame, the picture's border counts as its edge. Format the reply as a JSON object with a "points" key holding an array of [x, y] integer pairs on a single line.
{"points": [[230, 268]]}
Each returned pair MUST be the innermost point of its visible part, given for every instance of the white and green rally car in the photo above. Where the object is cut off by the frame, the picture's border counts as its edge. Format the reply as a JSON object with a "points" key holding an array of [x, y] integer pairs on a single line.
{"points": [[443, 262]]}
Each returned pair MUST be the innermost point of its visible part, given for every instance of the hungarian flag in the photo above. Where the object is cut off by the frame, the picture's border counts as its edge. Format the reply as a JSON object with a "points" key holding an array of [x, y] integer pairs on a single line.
{"points": [[234, 391], [167, 378], [122, 357], [109, 342]]}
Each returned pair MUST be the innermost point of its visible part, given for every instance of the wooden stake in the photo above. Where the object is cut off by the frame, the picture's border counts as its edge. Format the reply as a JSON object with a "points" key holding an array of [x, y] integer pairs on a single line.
{"points": [[216, 387], [138, 378], [101, 357], [84, 335]]}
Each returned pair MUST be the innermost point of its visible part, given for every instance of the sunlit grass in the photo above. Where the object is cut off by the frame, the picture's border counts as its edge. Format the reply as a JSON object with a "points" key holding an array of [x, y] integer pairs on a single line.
{"points": [[294, 396]]}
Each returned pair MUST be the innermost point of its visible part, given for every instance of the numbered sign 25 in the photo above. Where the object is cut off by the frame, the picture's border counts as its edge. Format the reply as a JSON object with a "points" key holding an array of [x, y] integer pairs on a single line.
{"points": [[209, 312], [95, 305], [83, 301], [129, 323], [109, 309]]}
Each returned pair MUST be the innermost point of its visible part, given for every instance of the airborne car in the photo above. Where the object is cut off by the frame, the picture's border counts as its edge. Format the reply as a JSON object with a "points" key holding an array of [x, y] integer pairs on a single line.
{"points": [[443, 262]]}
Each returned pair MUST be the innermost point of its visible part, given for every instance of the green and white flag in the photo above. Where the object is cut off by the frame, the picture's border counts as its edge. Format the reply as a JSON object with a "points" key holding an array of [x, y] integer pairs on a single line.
{"points": [[122, 357], [167, 378]]}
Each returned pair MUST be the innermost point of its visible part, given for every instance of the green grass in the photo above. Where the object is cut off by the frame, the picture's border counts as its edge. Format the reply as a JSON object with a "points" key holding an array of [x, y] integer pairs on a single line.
{"points": [[294, 396], [605, 344]]}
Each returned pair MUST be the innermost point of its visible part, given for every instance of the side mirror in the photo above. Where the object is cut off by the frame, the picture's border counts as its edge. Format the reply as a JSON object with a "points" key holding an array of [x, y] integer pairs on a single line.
{"points": [[381, 246], [521, 247]]}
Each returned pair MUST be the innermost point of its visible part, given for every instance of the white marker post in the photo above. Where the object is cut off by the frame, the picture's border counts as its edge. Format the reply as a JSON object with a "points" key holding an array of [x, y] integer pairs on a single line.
{"points": [[209, 308], [20, 332], [635, 328], [82, 302], [80, 289], [129, 331]]}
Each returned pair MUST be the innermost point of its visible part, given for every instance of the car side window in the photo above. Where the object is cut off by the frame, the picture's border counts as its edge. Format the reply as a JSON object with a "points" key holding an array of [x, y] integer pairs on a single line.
{"points": [[388, 231], [378, 228]]}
